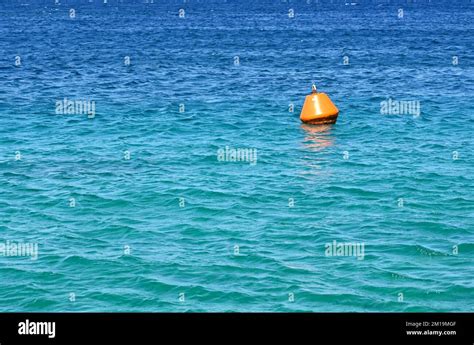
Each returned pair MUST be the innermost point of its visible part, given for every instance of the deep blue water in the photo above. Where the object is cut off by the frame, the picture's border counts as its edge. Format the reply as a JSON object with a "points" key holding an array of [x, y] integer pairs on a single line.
{"points": [[159, 223]]}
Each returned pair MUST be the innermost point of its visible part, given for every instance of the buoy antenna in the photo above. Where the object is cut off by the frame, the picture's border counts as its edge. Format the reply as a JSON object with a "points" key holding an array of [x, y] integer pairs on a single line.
{"points": [[313, 88]]}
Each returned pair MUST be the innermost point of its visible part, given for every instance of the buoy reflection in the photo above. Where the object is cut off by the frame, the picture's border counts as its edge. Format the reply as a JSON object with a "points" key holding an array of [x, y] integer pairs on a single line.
{"points": [[318, 137]]}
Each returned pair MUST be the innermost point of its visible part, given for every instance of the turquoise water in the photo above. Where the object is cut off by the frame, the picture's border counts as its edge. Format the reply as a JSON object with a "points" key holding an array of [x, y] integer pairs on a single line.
{"points": [[159, 223]]}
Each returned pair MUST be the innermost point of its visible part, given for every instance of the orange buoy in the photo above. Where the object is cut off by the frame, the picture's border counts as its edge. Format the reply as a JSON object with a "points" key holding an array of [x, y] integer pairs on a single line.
{"points": [[318, 109]]}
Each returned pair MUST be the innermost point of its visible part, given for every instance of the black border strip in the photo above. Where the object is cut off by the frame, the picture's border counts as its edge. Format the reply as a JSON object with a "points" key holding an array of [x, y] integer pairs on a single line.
{"points": [[240, 328]]}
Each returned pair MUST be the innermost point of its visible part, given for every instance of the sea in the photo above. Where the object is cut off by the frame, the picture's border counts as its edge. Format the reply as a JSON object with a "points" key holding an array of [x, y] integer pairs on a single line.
{"points": [[152, 158]]}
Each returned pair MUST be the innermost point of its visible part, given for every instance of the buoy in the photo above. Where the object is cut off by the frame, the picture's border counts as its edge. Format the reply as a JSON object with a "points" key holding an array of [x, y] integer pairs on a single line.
{"points": [[318, 109]]}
